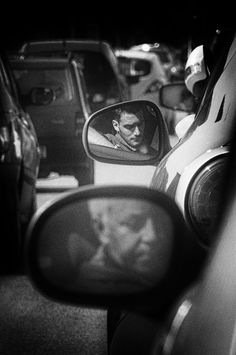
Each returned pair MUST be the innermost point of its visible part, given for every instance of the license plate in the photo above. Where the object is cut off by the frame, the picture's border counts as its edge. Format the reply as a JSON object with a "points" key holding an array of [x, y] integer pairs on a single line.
{"points": [[43, 152]]}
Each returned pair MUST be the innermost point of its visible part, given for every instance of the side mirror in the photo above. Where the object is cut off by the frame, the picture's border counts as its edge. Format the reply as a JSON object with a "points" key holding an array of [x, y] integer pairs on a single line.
{"points": [[177, 97], [131, 132], [141, 67], [41, 96], [134, 68], [111, 246]]}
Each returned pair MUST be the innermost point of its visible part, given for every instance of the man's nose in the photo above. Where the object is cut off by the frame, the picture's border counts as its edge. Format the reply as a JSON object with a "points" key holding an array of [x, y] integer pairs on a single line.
{"points": [[137, 131], [149, 233]]}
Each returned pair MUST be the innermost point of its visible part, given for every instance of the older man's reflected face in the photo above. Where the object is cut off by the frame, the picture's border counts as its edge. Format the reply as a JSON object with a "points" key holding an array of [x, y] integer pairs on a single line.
{"points": [[132, 239]]}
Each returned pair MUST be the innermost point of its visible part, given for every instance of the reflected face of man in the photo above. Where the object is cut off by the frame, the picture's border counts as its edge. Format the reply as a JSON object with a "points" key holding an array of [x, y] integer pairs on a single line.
{"points": [[132, 239], [131, 128], [132, 235]]}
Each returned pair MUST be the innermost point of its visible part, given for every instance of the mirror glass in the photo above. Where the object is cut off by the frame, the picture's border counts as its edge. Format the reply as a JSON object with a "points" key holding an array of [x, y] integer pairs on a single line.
{"points": [[127, 131], [41, 96], [177, 97], [132, 67], [106, 245]]}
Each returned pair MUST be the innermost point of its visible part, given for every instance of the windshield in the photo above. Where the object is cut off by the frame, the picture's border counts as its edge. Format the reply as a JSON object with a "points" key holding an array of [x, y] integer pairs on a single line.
{"points": [[58, 80]]}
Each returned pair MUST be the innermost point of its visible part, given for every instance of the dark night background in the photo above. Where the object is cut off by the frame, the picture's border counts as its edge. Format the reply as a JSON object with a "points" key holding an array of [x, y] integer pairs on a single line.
{"points": [[120, 23]]}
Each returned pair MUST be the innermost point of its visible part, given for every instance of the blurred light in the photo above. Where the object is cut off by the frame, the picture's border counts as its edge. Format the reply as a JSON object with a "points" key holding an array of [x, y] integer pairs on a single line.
{"points": [[145, 47]]}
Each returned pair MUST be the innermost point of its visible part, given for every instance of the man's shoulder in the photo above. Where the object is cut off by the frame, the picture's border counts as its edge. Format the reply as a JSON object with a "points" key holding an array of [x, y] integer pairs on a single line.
{"points": [[116, 141]]}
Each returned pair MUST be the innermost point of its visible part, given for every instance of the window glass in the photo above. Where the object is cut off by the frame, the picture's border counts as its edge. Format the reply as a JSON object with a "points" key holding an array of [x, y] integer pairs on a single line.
{"points": [[58, 80], [141, 67]]}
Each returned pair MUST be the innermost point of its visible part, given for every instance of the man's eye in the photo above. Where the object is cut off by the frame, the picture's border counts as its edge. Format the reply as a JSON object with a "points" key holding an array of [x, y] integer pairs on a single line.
{"points": [[135, 224], [99, 226]]}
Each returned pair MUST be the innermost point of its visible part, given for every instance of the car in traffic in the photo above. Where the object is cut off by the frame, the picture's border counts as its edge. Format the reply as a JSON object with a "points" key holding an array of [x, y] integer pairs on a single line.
{"points": [[61, 84], [104, 82], [52, 92], [19, 166], [171, 58], [182, 301]]}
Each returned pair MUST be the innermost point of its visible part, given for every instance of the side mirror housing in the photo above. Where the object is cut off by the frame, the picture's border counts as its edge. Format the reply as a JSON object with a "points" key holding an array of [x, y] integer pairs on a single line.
{"points": [[177, 97], [118, 246]]}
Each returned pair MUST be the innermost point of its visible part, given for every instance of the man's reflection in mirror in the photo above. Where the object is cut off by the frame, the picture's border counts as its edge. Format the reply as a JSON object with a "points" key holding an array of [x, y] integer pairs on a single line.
{"points": [[133, 251], [128, 132]]}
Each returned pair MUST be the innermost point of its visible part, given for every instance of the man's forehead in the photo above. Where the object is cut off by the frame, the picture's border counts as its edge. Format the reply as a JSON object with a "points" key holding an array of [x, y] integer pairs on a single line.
{"points": [[117, 208], [129, 117]]}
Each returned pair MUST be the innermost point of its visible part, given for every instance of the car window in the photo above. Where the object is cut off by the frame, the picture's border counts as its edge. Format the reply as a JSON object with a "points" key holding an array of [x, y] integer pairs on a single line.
{"points": [[99, 77], [133, 66], [57, 79], [164, 57]]}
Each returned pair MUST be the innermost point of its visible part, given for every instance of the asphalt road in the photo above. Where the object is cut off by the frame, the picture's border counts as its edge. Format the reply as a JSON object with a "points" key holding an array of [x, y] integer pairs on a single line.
{"points": [[32, 324]]}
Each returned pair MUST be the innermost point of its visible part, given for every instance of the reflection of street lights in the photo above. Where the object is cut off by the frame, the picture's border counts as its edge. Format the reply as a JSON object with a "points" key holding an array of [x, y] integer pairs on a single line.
{"points": [[145, 47]]}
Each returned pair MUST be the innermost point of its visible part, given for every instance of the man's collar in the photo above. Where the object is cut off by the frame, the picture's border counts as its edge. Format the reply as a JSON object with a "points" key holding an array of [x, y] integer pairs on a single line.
{"points": [[122, 141]]}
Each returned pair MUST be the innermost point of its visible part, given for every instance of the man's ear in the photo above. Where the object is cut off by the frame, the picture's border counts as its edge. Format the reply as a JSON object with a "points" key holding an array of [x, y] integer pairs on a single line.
{"points": [[115, 125]]}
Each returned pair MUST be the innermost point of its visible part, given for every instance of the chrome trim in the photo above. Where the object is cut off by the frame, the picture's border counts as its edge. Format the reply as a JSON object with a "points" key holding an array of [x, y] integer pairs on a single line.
{"points": [[181, 313]]}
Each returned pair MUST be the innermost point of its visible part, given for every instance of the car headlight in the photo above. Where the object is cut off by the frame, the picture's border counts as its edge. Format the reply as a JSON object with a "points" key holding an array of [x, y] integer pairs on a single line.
{"points": [[203, 197]]}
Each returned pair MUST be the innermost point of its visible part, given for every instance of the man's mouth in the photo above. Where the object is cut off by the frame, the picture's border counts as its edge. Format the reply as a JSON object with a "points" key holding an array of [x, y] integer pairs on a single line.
{"points": [[137, 140]]}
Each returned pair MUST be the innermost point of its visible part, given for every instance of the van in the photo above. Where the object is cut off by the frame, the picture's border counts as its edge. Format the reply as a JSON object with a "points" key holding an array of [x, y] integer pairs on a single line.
{"points": [[52, 92], [104, 81]]}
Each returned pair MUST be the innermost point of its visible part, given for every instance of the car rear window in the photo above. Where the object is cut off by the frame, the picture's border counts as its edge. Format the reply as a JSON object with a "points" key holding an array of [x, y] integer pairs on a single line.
{"points": [[134, 66], [57, 79]]}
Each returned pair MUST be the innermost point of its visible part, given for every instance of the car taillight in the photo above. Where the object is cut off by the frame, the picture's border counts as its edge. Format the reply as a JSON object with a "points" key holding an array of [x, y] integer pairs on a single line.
{"points": [[203, 198], [4, 140]]}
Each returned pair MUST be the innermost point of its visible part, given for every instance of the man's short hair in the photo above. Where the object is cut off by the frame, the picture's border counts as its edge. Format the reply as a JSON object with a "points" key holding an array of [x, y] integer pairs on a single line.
{"points": [[137, 110]]}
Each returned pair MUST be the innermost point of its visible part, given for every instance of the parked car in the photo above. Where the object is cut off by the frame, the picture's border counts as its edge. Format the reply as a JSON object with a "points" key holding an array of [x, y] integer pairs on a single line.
{"points": [[173, 66], [19, 165], [145, 75], [183, 301], [52, 92], [105, 83]]}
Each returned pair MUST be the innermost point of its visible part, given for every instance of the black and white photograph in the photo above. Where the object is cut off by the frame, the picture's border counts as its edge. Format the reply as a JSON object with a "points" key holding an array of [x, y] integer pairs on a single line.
{"points": [[117, 178]]}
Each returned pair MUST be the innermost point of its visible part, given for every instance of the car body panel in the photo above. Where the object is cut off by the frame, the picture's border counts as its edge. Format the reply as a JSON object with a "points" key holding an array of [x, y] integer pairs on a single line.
{"points": [[212, 127], [19, 166]]}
